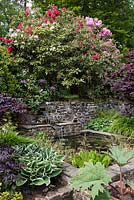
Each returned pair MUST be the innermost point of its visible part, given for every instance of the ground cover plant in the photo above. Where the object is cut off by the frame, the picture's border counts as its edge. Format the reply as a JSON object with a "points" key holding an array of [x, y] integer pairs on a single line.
{"points": [[113, 122], [80, 158], [94, 178]]}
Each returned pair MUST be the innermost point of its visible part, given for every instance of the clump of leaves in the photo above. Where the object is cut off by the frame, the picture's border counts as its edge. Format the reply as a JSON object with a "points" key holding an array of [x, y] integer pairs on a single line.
{"points": [[113, 122], [92, 177], [40, 165], [5, 195], [8, 166], [79, 159], [9, 136]]}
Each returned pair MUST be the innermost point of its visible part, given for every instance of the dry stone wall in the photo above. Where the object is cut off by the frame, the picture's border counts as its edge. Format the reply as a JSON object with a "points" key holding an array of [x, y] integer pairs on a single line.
{"points": [[62, 118]]}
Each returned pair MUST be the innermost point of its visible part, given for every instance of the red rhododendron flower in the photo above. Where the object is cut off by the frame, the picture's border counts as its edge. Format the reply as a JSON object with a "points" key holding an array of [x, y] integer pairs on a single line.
{"points": [[29, 30], [19, 27], [9, 49], [5, 40], [27, 12], [56, 12], [52, 15], [96, 56], [2, 39], [49, 12], [8, 41], [54, 7]]}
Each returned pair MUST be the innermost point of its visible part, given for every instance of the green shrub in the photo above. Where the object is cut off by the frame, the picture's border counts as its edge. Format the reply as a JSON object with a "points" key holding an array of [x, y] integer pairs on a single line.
{"points": [[40, 165], [79, 159], [9, 136]]}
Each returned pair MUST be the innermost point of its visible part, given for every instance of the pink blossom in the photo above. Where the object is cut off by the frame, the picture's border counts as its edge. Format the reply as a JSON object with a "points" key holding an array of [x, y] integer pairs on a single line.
{"points": [[52, 15], [54, 7], [9, 49], [49, 12], [56, 12], [105, 32], [96, 56], [19, 26], [64, 9], [89, 21], [98, 23]]}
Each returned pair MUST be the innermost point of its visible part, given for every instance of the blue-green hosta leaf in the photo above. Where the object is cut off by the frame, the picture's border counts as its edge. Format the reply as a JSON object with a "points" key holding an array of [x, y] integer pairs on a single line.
{"points": [[91, 177], [41, 181], [121, 155]]}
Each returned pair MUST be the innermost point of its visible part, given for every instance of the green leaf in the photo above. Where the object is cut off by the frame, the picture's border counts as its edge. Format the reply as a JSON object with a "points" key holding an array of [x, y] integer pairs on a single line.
{"points": [[121, 155], [41, 181], [103, 196], [21, 181], [91, 177]]}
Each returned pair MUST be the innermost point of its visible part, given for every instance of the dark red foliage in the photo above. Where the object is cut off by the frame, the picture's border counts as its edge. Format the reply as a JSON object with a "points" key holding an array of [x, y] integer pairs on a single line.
{"points": [[123, 82], [11, 104], [8, 166]]}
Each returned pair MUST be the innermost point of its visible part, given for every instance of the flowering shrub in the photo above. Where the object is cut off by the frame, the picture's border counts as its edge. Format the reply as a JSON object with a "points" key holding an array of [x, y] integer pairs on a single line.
{"points": [[63, 49]]}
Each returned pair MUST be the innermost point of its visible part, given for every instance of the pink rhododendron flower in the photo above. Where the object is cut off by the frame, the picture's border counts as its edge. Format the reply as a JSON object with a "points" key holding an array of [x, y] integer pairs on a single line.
{"points": [[96, 56], [105, 32], [52, 15], [19, 26], [64, 9], [54, 7], [89, 21], [9, 49], [56, 12], [98, 22]]}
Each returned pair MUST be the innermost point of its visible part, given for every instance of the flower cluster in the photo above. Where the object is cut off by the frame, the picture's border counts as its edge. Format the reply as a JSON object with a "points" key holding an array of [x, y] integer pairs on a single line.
{"points": [[53, 12], [93, 22], [66, 49]]}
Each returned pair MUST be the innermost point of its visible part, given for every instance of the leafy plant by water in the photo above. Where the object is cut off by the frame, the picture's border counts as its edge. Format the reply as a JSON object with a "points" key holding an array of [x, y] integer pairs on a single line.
{"points": [[113, 122], [78, 160], [40, 165]]}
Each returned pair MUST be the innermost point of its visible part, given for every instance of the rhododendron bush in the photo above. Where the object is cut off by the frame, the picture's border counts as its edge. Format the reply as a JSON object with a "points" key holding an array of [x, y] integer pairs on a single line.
{"points": [[63, 49]]}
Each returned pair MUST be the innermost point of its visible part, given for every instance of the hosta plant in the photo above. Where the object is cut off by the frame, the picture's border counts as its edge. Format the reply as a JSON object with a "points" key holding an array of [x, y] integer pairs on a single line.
{"points": [[40, 165]]}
